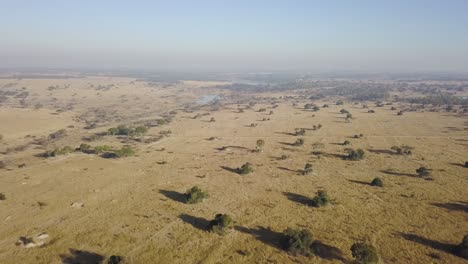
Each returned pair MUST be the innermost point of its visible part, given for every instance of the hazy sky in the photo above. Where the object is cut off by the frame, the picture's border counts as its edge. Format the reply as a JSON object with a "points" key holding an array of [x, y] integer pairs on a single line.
{"points": [[394, 35]]}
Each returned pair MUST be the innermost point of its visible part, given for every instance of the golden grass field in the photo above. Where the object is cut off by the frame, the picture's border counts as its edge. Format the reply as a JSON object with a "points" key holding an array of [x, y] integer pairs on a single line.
{"points": [[133, 206]]}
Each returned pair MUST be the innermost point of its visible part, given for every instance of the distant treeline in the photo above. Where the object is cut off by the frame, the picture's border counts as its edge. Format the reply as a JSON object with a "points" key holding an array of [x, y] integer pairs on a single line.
{"points": [[439, 99]]}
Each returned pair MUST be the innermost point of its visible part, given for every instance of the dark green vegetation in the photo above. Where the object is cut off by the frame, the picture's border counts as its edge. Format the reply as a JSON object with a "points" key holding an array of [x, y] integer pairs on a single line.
{"points": [[57, 151], [377, 182], [107, 151], [357, 154], [321, 199], [195, 195], [220, 223], [123, 130], [297, 242], [364, 253], [246, 168]]}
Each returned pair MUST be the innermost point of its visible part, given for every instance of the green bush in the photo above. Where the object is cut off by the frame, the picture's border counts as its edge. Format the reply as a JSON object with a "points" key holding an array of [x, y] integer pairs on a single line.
{"points": [[354, 154], [123, 130], [321, 199], [102, 149], [297, 241], [364, 253], [125, 151], [245, 169], [377, 182], [57, 151], [220, 223], [85, 148], [195, 195]]}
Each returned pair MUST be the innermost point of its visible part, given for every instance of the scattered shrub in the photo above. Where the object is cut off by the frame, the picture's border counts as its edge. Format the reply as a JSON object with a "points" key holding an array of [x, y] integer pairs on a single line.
{"points": [[346, 142], [123, 130], [260, 143], [299, 142], [466, 164], [344, 111], [307, 169], [284, 157], [358, 136], [125, 151], [423, 172], [57, 151], [364, 253], [354, 154], [299, 132], [115, 259], [400, 113], [245, 169], [253, 125], [321, 199], [339, 102], [102, 149], [462, 248], [402, 150], [297, 241], [377, 182], [2, 197], [58, 135], [220, 223], [195, 195], [371, 111], [212, 119]]}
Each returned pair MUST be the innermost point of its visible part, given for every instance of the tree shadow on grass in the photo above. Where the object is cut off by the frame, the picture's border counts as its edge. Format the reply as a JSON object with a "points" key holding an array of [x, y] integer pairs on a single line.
{"points": [[173, 195], [328, 252], [457, 164], [457, 206], [395, 173], [233, 170], [265, 235], [298, 198], [446, 247], [197, 222], [360, 182], [381, 151], [287, 144], [81, 257], [286, 169]]}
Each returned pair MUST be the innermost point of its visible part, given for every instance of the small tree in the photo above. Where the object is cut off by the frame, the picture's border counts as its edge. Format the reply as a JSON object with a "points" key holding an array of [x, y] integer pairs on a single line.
{"points": [[195, 195], [297, 241], [307, 169], [321, 199], [299, 142], [377, 182], [402, 150], [364, 253], [260, 144], [245, 169], [220, 223], [423, 172]]}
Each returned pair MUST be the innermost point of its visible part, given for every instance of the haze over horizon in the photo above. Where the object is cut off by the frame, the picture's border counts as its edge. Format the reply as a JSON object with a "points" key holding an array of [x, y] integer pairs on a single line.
{"points": [[215, 35]]}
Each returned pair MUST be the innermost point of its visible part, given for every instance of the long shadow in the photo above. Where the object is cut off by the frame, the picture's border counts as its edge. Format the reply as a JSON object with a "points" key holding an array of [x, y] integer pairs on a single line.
{"points": [[298, 198], [398, 173], [197, 222], [265, 235], [286, 144], [449, 248], [233, 170], [457, 206], [285, 133], [286, 169], [173, 195], [81, 257], [289, 149], [360, 182], [328, 252], [381, 151], [457, 164]]}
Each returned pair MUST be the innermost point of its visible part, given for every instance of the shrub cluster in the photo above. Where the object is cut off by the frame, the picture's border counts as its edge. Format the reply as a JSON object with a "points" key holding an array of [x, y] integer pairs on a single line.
{"points": [[297, 241], [402, 150], [246, 168], [195, 195], [357, 154], [57, 151], [220, 223], [364, 253], [321, 199], [123, 130]]}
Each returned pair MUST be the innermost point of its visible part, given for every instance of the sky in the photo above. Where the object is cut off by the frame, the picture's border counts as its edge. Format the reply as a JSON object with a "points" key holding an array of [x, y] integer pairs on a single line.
{"points": [[363, 35]]}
